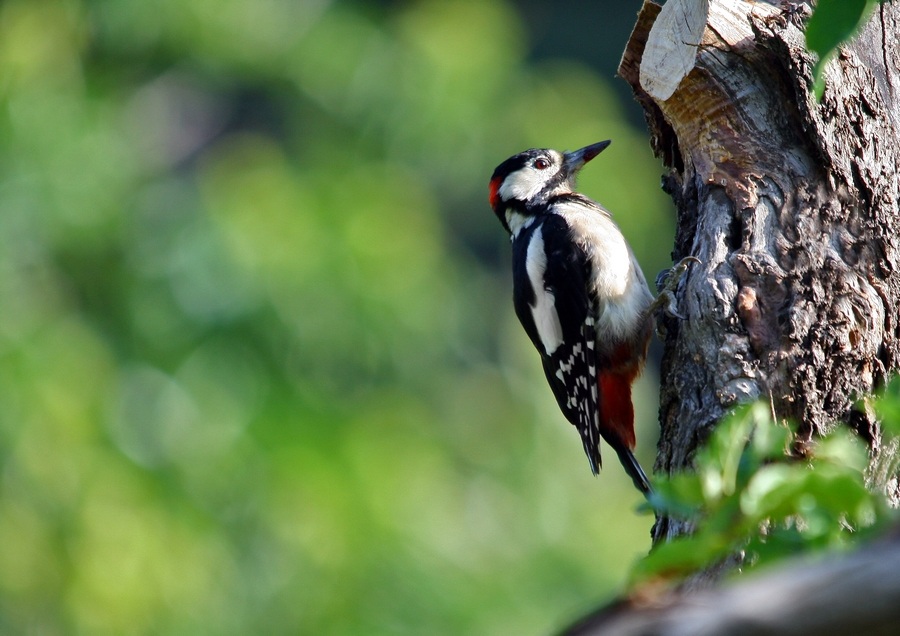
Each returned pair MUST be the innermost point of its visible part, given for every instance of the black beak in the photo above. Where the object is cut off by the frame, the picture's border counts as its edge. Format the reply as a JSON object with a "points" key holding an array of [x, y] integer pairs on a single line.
{"points": [[573, 161]]}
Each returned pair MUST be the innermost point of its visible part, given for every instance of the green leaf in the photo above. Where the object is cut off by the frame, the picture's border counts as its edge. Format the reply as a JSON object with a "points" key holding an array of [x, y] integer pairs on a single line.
{"points": [[679, 496], [770, 439], [837, 492], [748, 493], [779, 543], [719, 460], [842, 448], [833, 23], [772, 491], [681, 557], [888, 407]]}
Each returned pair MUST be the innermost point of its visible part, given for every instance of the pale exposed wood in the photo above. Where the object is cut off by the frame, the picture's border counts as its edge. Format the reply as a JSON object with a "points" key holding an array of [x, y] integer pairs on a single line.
{"points": [[672, 46]]}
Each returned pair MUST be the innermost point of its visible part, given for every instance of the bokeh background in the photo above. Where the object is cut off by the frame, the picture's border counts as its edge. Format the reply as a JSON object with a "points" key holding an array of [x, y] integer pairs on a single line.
{"points": [[259, 368]]}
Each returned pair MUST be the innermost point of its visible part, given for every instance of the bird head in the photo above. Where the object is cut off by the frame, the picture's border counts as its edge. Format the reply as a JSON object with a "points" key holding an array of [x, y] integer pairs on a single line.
{"points": [[530, 178]]}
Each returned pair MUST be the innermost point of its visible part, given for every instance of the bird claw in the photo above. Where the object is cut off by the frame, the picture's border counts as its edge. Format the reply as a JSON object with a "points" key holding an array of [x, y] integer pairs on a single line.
{"points": [[668, 279], [667, 282], [669, 305]]}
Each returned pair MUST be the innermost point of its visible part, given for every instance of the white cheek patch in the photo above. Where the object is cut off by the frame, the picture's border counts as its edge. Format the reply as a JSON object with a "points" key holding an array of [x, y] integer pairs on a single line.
{"points": [[522, 184], [543, 311]]}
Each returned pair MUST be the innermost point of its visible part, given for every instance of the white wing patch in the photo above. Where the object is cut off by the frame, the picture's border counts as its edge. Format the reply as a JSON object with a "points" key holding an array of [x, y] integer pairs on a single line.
{"points": [[543, 311]]}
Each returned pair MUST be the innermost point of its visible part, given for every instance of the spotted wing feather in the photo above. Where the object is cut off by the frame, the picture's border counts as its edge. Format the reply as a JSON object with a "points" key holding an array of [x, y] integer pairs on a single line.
{"points": [[570, 363], [572, 374]]}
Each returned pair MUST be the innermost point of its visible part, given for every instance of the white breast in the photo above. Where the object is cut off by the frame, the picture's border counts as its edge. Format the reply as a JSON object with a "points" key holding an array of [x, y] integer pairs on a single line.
{"points": [[616, 280]]}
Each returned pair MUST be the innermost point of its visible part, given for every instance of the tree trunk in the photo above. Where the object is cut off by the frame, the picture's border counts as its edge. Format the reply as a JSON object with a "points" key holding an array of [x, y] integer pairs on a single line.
{"points": [[792, 208]]}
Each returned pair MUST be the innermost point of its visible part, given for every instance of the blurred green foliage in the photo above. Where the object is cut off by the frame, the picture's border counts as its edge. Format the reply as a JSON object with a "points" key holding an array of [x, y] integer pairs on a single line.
{"points": [[747, 496], [259, 367]]}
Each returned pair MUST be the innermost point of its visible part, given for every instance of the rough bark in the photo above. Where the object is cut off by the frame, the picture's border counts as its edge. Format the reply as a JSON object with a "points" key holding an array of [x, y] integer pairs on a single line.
{"points": [[792, 208]]}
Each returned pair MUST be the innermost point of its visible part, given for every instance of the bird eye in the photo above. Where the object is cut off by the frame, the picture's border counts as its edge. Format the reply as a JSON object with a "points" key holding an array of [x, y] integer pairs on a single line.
{"points": [[541, 164]]}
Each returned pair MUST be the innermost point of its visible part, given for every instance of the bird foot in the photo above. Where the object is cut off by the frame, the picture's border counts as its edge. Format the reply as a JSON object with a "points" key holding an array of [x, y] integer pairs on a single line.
{"points": [[666, 283]]}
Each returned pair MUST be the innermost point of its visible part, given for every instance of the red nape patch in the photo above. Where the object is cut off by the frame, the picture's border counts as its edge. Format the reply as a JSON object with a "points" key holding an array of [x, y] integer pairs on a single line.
{"points": [[493, 192], [616, 409]]}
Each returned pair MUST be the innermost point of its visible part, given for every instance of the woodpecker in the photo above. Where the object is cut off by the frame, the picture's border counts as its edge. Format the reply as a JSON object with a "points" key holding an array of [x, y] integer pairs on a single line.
{"points": [[579, 293]]}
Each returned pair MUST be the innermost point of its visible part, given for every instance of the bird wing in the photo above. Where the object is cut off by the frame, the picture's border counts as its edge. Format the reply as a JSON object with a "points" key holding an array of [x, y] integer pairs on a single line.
{"points": [[558, 316]]}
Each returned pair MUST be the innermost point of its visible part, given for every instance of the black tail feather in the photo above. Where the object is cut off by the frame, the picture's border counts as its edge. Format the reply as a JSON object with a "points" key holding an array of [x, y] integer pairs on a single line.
{"points": [[593, 454], [634, 470]]}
